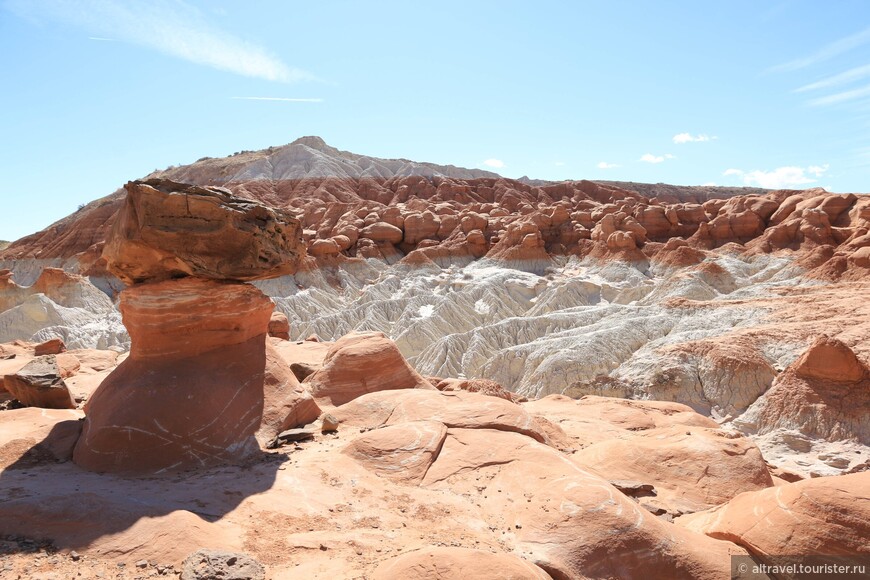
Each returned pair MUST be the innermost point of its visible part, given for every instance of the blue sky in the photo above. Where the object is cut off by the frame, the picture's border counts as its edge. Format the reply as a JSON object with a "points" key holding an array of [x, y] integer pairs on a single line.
{"points": [[97, 92]]}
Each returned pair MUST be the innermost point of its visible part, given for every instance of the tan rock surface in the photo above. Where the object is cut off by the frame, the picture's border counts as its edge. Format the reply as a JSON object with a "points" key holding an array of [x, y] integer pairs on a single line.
{"points": [[30, 435], [458, 564]]}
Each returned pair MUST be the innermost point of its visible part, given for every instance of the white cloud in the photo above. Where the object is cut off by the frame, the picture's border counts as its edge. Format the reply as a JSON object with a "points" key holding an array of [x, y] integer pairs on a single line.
{"points": [[171, 27], [782, 177], [689, 138], [826, 52], [284, 99], [559, 163], [650, 158], [497, 163], [843, 78], [841, 97], [606, 165], [102, 39], [709, 184]]}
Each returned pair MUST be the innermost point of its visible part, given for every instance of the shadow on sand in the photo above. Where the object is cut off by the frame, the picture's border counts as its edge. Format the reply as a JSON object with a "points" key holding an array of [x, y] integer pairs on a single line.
{"points": [[59, 504]]}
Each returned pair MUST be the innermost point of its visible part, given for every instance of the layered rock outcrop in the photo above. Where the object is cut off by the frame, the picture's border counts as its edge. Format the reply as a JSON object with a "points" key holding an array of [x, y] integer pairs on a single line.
{"points": [[191, 392], [170, 230]]}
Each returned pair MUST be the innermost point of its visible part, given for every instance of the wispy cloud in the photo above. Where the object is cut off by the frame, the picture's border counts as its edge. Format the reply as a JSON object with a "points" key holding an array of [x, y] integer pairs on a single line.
{"points": [[689, 138], [171, 27], [781, 177], [841, 97], [283, 99], [650, 158], [849, 76], [559, 163], [497, 163], [827, 52], [100, 38], [606, 165]]}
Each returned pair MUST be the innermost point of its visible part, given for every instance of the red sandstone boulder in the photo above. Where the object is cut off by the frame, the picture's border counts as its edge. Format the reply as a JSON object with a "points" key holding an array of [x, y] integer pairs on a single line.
{"points": [[286, 403], [168, 229], [828, 359], [382, 232], [279, 326], [40, 383], [327, 247], [53, 346], [361, 363]]}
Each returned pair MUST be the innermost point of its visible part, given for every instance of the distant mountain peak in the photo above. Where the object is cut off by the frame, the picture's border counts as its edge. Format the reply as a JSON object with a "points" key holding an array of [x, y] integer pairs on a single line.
{"points": [[312, 141]]}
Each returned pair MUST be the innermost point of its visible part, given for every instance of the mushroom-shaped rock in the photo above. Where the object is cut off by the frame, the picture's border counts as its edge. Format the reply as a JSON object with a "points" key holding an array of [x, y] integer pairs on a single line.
{"points": [[446, 563], [167, 230], [361, 363], [190, 394]]}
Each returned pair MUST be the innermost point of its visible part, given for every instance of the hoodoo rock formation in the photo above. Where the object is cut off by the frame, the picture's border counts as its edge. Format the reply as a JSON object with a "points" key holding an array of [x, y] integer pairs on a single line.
{"points": [[191, 392], [511, 378]]}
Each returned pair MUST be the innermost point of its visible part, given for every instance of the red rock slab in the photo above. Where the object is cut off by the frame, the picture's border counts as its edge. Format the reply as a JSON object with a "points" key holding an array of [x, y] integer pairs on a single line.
{"points": [[458, 409], [592, 419], [825, 515], [567, 521], [402, 453], [691, 468]]}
